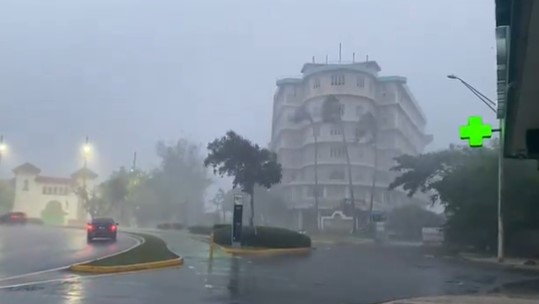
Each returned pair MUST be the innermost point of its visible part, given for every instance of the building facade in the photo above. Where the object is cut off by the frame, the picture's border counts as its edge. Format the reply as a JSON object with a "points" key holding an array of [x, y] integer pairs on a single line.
{"points": [[398, 128], [52, 199]]}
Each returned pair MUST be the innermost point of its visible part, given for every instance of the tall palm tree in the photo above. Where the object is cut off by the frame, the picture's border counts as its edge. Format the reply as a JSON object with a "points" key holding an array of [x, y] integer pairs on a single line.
{"points": [[368, 129], [302, 114], [331, 113]]}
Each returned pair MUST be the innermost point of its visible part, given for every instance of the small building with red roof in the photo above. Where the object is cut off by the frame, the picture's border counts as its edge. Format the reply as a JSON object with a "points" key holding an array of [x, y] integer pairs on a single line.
{"points": [[50, 198]]}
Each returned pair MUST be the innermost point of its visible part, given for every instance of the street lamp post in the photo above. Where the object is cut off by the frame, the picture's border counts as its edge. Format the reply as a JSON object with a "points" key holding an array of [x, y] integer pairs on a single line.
{"points": [[491, 105], [2, 147], [85, 152]]}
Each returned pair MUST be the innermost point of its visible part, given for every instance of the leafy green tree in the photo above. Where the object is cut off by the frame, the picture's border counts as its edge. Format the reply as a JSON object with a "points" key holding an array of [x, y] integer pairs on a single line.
{"points": [[248, 163], [219, 202], [181, 181], [408, 220], [464, 181], [53, 214], [115, 192], [6, 196]]}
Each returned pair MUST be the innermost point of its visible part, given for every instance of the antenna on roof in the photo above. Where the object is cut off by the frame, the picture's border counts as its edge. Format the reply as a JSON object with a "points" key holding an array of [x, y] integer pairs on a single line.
{"points": [[367, 58], [313, 59], [134, 166], [354, 57], [340, 51], [326, 59]]}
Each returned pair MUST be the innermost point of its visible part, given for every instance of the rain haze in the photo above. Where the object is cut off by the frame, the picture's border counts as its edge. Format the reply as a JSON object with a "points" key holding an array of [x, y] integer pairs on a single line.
{"points": [[130, 73], [285, 151]]}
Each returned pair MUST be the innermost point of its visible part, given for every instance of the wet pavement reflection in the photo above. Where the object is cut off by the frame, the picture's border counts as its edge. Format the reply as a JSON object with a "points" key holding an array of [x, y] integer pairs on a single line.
{"points": [[340, 274]]}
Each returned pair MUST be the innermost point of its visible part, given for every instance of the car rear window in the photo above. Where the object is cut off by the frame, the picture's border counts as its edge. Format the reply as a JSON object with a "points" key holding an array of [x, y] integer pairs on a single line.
{"points": [[19, 214], [103, 221]]}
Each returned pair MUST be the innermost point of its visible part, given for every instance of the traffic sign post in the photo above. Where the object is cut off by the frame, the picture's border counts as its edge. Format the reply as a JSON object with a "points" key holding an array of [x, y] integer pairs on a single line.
{"points": [[476, 131], [237, 220]]}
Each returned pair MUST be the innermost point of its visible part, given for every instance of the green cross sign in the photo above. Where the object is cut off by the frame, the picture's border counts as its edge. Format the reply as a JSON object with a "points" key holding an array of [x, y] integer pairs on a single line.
{"points": [[475, 131]]}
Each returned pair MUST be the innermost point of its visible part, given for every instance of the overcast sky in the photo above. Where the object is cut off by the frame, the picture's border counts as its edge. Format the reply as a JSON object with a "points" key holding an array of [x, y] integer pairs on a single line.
{"points": [[130, 72]]}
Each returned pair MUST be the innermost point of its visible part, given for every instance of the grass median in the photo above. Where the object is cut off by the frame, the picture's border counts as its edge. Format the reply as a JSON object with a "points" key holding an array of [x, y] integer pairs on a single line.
{"points": [[153, 249]]}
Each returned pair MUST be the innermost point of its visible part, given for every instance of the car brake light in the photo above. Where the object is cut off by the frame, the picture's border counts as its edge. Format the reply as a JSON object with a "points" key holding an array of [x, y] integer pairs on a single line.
{"points": [[90, 227], [113, 228], [14, 217]]}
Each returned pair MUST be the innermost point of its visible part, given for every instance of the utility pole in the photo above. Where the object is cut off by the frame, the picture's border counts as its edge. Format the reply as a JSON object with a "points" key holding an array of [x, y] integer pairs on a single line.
{"points": [[2, 147], [491, 105]]}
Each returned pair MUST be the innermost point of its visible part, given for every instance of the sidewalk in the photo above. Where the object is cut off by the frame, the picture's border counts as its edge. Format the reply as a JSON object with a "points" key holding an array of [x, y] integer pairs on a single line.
{"points": [[515, 263], [469, 300]]}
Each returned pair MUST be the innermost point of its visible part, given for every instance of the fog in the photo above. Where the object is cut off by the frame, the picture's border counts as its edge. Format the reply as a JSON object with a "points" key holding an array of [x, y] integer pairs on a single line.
{"points": [[128, 73]]}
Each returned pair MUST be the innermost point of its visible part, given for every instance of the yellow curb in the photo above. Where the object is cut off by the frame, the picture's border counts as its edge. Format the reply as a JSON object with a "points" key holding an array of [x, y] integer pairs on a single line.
{"points": [[127, 268], [254, 251]]}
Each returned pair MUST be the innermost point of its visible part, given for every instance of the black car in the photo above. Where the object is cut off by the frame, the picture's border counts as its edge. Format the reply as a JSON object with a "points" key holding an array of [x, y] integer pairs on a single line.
{"points": [[102, 228], [13, 218]]}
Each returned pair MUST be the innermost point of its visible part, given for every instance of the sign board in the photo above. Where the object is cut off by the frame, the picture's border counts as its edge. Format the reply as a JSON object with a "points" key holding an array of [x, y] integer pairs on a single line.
{"points": [[475, 132], [503, 35], [432, 235], [237, 219]]}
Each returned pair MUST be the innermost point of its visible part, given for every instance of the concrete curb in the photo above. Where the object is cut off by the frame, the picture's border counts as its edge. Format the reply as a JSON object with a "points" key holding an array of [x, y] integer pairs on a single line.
{"points": [[83, 267], [463, 299], [493, 263], [263, 252], [127, 268]]}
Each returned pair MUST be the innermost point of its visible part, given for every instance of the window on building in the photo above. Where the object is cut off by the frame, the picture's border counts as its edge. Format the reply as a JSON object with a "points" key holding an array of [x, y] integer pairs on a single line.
{"points": [[335, 130], [66, 205], [337, 175], [360, 81], [316, 83], [55, 190], [25, 185], [311, 191], [44, 190], [359, 111], [316, 130], [341, 109], [337, 152], [337, 80]]}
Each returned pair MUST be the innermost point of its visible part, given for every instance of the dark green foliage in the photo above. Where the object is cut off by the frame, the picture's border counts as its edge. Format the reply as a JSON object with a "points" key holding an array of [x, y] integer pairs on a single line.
{"points": [[407, 221], [202, 230], [464, 181], [265, 237], [248, 164]]}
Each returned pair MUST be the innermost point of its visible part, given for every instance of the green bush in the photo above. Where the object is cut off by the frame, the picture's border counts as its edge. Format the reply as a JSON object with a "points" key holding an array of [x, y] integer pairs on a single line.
{"points": [[167, 226], [34, 221], [219, 226], [202, 230], [265, 237]]}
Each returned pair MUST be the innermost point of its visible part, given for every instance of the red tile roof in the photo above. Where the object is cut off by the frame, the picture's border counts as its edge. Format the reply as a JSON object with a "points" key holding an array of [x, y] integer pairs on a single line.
{"points": [[84, 173], [27, 168]]}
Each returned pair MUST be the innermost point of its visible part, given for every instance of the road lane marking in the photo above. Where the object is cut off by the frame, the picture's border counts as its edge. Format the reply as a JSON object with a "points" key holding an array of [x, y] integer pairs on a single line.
{"points": [[138, 242], [79, 277]]}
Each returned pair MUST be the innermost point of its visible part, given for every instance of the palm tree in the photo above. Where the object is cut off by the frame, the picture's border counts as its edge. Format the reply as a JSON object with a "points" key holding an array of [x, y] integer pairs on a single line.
{"points": [[331, 113], [302, 114], [367, 124]]}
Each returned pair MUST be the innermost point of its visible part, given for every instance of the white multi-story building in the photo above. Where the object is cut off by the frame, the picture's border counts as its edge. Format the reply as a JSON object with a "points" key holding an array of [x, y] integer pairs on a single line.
{"points": [[52, 199], [400, 125]]}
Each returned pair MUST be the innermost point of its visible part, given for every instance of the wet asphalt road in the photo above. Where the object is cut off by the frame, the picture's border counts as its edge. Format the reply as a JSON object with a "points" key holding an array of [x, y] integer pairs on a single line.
{"points": [[25, 249], [331, 274]]}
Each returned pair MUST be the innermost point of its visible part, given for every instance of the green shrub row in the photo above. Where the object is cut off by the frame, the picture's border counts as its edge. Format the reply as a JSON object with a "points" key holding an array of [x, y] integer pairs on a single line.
{"points": [[265, 237]]}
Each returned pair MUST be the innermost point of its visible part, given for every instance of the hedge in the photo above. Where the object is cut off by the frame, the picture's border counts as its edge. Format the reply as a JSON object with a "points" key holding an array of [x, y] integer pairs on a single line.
{"points": [[203, 230], [167, 226], [265, 237]]}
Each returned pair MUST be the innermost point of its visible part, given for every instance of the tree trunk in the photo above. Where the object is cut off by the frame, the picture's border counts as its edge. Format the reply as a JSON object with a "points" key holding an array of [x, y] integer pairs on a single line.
{"points": [[350, 185], [373, 185], [252, 203], [316, 187]]}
